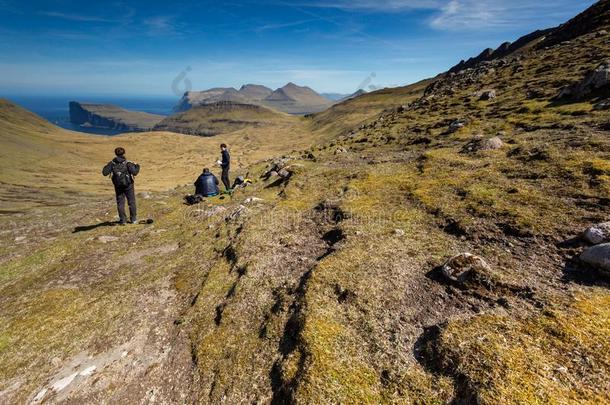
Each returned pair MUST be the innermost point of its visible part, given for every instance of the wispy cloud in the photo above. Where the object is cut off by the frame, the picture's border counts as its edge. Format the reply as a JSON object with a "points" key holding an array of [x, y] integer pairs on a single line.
{"points": [[78, 17], [464, 14], [498, 14], [268, 27], [162, 25]]}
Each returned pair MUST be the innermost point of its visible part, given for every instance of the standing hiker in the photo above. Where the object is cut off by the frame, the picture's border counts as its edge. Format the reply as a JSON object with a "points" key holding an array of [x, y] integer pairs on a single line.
{"points": [[225, 164], [123, 172]]}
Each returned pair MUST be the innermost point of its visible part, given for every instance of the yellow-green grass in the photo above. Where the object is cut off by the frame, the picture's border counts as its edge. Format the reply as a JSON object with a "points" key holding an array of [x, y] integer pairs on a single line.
{"points": [[43, 164]]}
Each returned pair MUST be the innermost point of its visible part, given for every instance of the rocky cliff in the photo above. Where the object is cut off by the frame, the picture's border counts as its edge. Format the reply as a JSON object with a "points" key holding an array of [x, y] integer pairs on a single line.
{"points": [[112, 117]]}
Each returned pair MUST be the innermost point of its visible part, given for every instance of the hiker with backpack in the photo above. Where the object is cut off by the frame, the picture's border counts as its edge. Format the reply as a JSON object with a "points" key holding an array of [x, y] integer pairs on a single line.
{"points": [[225, 164], [123, 172]]}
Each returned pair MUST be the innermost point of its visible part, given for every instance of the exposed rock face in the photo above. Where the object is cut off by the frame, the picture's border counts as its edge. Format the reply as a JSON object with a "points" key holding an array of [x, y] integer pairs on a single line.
{"points": [[503, 50], [599, 233], [595, 80], [112, 117], [599, 257]]}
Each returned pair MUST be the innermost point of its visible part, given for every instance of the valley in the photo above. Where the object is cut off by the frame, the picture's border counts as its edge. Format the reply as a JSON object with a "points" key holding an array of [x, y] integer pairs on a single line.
{"points": [[420, 244]]}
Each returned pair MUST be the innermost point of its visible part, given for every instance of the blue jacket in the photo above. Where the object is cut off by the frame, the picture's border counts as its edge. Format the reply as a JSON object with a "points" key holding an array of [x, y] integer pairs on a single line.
{"points": [[207, 185]]}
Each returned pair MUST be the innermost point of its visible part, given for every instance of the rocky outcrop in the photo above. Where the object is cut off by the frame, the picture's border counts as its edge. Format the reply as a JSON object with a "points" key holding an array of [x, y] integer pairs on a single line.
{"points": [[504, 50], [599, 233], [112, 117], [593, 19], [598, 257], [594, 81]]}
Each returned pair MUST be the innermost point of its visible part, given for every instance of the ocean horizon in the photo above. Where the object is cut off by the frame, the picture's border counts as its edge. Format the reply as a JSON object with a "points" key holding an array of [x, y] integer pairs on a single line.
{"points": [[55, 109]]}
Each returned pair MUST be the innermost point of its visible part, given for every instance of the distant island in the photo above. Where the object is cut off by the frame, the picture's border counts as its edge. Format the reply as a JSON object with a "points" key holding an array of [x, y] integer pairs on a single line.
{"points": [[291, 99]]}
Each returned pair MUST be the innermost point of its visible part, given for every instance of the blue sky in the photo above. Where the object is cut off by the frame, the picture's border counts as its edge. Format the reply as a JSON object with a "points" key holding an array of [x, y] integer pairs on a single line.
{"points": [[148, 47]]}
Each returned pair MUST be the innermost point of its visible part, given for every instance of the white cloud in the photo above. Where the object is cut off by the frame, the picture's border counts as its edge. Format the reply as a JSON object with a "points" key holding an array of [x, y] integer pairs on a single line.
{"points": [[466, 14], [477, 14]]}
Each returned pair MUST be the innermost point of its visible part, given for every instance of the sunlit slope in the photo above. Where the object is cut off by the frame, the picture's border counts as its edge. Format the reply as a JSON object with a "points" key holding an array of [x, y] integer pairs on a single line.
{"points": [[42, 164]]}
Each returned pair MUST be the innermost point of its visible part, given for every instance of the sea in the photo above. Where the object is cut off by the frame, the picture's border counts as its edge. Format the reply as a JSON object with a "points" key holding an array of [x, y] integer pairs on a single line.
{"points": [[55, 108]]}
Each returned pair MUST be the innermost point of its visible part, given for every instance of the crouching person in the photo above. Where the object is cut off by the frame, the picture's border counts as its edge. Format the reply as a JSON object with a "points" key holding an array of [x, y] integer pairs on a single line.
{"points": [[207, 184], [123, 172]]}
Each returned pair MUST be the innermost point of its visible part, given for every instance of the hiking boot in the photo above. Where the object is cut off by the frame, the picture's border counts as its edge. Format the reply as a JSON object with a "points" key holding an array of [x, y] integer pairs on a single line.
{"points": [[122, 223], [134, 221]]}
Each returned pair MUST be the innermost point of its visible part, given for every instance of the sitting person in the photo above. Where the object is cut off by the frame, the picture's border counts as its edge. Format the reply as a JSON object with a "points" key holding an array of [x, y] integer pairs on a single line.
{"points": [[207, 184]]}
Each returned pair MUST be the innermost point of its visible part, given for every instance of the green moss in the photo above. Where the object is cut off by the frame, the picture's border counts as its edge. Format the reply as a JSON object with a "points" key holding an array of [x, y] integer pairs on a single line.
{"points": [[539, 359]]}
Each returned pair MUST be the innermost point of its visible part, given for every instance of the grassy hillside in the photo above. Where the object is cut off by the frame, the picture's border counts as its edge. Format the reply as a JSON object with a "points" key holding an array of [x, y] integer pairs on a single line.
{"points": [[41, 164], [223, 117], [350, 114], [324, 284]]}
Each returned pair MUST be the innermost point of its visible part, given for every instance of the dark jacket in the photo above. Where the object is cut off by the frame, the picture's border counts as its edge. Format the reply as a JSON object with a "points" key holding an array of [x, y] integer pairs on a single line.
{"points": [[226, 159], [133, 168], [207, 185]]}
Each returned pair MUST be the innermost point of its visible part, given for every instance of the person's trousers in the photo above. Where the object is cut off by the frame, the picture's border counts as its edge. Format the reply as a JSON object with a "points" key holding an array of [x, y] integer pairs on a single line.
{"points": [[128, 193], [225, 178]]}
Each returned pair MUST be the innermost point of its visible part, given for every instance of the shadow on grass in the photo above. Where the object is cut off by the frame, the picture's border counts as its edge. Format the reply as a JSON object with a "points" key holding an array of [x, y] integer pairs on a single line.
{"points": [[92, 227]]}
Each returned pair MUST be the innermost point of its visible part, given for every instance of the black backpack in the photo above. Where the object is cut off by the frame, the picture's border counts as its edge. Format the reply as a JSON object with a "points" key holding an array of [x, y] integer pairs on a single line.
{"points": [[120, 174]]}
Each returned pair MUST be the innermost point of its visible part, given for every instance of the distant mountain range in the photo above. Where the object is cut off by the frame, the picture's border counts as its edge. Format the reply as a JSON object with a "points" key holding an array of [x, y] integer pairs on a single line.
{"points": [[291, 98]]}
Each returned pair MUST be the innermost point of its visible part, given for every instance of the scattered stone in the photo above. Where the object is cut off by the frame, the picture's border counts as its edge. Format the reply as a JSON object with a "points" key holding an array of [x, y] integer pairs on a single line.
{"points": [[601, 33], [594, 80], [284, 173], [466, 269], [340, 151], [107, 239], [534, 93], [236, 214], [602, 105], [20, 239], [599, 233], [487, 95], [251, 200], [598, 256], [478, 143], [457, 125], [399, 232], [145, 195], [206, 213]]}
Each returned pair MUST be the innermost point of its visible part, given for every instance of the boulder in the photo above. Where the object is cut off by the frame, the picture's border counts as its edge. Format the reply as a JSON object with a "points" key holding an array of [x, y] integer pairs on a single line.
{"points": [[598, 257], [599, 233], [478, 143], [594, 80], [467, 269], [487, 95], [340, 151]]}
